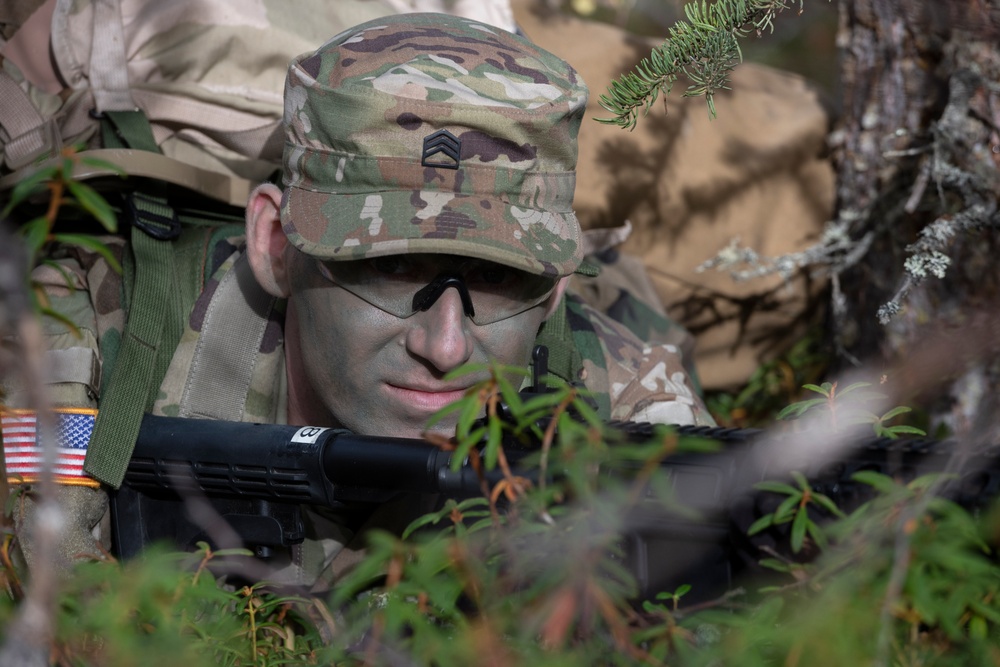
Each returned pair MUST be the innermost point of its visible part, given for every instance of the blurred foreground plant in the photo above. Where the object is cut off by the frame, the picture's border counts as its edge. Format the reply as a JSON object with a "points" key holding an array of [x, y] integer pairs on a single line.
{"points": [[533, 573], [56, 185]]}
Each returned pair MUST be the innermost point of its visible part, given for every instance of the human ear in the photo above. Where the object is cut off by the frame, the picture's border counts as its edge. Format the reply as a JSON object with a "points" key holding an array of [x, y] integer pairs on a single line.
{"points": [[556, 296], [266, 242]]}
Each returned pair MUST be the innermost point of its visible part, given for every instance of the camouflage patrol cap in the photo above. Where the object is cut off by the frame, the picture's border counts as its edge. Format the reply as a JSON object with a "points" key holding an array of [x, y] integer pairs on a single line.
{"points": [[436, 134]]}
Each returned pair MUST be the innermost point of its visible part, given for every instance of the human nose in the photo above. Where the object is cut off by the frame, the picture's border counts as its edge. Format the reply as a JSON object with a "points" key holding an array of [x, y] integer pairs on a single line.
{"points": [[440, 334]]}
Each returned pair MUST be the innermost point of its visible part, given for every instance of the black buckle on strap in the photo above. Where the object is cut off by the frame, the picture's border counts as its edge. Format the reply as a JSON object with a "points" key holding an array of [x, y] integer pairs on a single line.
{"points": [[153, 216]]}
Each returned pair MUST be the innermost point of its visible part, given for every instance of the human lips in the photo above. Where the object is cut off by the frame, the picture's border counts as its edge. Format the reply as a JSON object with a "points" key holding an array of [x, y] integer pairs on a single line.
{"points": [[429, 399]]}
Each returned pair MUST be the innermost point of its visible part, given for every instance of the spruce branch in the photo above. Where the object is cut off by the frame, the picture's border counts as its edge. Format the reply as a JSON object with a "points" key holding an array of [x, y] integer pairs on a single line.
{"points": [[704, 49]]}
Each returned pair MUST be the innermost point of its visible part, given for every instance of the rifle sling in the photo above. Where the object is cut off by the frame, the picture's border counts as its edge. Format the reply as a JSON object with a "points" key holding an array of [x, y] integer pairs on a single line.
{"points": [[125, 399], [154, 321]]}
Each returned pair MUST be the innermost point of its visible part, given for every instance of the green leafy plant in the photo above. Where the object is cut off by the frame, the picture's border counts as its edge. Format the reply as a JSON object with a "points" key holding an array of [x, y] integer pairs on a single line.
{"points": [[494, 573], [848, 406], [844, 407], [55, 183], [533, 573], [772, 385], [795, 509]]}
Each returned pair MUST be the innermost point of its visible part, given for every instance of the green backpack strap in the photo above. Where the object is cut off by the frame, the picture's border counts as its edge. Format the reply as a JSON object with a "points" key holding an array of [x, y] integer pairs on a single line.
{"points": [[564, 360], [571, 338], [154, 313], [127, 129]]}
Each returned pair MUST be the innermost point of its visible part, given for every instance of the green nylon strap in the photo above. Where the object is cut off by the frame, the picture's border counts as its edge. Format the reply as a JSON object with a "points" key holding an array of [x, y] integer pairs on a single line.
{"points": [[588, 346], [571, 338], [154, 318], [565, 361], [179, 290], [127, 129], [125, 398]]}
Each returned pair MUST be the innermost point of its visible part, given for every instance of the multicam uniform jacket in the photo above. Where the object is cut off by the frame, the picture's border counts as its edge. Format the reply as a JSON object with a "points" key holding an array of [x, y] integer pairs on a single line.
{"points": [[636, 380]]}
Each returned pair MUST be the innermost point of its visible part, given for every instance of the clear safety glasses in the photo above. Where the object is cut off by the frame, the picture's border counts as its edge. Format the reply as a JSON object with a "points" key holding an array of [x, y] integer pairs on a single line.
{"points": [[402, 285]]}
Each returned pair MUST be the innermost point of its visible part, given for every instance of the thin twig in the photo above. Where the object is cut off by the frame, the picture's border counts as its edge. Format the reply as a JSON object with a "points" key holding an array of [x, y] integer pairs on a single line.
{"points": [[30, 635]]}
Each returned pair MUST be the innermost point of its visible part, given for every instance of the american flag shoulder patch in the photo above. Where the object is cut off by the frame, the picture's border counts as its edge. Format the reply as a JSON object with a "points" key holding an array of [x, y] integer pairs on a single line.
{"points": [[23, 449]]}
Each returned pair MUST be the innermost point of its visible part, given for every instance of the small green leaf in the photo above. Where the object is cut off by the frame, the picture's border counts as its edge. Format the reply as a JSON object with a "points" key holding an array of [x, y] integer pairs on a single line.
{"points": [[466, 445], [586, 412], [978, 628], [801, 480], [29, 186], [778, 487], [799, 408], [98, 163], [903, 428], [428, 519], [877, 480], [62, 319], [467, 369], [14, 496], [824, 389], [856, 416], [649, 607], [828, 504], [232, 552], [94, 204], [799, 526], [817, 534], [924, 482], [787, 508], [895, 412], [988, 613], [35, 234], [509, 394], [62, 271], [775, 564], [446, 410], [494, 430], [853, 387], [468, 414], [92, 243], [760, 524]]}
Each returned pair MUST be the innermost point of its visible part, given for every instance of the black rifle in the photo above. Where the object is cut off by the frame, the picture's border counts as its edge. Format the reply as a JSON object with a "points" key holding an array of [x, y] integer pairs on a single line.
{"points": [[257, 477]]}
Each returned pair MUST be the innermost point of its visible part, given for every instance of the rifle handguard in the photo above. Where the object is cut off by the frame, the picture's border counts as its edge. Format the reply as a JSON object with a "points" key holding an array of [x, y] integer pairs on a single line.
{"points": [[291, 464]]}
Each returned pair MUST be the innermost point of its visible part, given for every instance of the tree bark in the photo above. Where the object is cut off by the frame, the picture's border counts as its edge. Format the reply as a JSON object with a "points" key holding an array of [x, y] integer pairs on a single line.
{"points": [[917, 154]]}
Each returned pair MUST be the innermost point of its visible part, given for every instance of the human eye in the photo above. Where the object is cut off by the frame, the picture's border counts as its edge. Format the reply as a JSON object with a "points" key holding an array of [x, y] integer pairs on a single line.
{"points": [[492, 275], [390, 265], [395, 268]]}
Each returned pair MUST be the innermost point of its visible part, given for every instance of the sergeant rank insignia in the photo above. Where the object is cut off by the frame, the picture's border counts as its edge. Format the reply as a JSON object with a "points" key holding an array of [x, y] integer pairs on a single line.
{"points": [[442, 149]]}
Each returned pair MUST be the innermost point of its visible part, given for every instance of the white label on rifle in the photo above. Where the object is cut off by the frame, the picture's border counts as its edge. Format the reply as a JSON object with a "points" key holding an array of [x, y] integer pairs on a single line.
{"points": [[308, 434]]}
